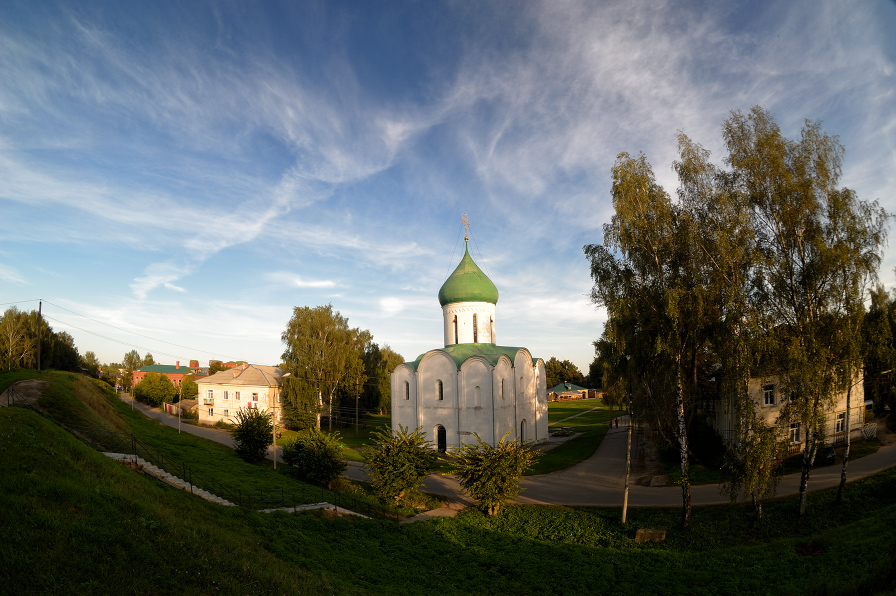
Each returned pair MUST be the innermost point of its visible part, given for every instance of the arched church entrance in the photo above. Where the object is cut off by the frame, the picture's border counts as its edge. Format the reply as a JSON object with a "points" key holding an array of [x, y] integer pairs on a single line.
{"points": [[441, 439]]}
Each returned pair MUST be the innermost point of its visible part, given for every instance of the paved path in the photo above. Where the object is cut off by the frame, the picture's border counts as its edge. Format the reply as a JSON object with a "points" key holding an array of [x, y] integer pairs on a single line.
{"points": [[597, 481]]}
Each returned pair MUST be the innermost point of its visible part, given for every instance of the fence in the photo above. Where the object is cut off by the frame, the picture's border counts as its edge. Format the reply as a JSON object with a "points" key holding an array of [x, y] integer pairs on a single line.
{"points": [[128, 443]]}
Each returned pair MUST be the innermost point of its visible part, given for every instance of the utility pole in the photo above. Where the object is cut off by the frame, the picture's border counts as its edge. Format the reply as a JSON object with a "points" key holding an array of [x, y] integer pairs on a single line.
{"points": [[274, 430], [357, 399], [628, 450], [40, 304]]}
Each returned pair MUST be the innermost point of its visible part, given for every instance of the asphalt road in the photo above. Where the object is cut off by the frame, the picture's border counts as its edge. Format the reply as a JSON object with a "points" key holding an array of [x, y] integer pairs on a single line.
{"points": [[597, 481]]}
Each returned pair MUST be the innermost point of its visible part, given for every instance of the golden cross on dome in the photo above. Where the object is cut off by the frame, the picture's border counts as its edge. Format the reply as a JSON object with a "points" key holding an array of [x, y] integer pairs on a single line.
{"points": [[466, 223]]}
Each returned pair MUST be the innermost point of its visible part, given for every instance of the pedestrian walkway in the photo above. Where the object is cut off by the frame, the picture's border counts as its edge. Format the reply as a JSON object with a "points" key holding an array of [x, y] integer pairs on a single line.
{"points": [[596, 482]]}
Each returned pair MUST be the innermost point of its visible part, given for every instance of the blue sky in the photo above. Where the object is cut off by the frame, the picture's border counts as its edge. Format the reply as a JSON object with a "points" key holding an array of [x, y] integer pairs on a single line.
{"points": [[188, 173]]}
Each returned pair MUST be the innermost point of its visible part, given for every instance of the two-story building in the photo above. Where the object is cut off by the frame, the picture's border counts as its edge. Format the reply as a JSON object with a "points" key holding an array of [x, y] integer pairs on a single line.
{"points": [[769, 400], [246, 386]]}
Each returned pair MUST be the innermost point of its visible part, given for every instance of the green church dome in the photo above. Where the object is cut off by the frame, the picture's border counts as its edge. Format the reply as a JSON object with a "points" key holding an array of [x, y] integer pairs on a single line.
{"points": [[468, 284]]}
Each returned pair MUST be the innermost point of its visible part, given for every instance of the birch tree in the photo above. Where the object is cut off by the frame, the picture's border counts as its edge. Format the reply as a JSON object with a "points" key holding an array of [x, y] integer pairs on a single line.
{"points": [[650, 278], [817, 245]]}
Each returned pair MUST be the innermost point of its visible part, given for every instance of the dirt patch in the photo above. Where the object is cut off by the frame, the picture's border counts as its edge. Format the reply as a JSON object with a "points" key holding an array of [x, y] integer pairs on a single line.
{"points": [[28, 391]]}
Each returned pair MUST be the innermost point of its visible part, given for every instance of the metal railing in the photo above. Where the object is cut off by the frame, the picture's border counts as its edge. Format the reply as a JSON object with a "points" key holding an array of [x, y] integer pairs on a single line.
{"points": [[129, 444]]}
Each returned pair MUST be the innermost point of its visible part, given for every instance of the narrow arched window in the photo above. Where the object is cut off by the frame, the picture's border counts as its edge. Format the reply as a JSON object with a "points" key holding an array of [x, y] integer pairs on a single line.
{"points": [[455, 328], [407, 390], [502, 388], [475, 330], [476, 396], [439, 390], [491, 323]]}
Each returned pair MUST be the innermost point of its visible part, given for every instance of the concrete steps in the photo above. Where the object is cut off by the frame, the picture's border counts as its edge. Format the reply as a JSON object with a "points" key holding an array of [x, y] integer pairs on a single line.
{"points": [[172, 480]]}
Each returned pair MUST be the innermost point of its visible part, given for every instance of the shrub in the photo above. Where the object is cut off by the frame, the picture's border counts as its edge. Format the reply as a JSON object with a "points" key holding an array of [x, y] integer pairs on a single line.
{"points": [[491, 475], [399, 462], [316, 456], [154, 389], [253, 433]]}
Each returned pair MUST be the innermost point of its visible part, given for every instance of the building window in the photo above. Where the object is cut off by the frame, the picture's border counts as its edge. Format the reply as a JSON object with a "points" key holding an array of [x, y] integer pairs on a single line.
{"points": [[226, 413], [211, 412], [236, 395], [475, 329], [476, 396], [768, 395], [225, 395], [439, 390], [455, 328], [795, 432], [407, 390], [502, 388], [254, 397], [841, 422], [491, 325], [211, 394]]}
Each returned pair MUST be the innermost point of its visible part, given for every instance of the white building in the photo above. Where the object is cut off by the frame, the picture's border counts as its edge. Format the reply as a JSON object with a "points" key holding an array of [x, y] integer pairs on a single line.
{"points": [[471, 386], [768, 399], [247, 386]]}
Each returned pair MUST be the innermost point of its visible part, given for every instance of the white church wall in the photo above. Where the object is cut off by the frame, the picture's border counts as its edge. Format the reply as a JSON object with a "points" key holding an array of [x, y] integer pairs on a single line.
{"points": [[541, 392], [476, 416], [404, 402], [505, 419], [438, 366], [464, 311]]}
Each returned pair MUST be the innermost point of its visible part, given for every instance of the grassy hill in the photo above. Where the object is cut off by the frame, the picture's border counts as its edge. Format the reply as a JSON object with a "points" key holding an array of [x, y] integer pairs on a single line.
{"points": [[74, 522]]}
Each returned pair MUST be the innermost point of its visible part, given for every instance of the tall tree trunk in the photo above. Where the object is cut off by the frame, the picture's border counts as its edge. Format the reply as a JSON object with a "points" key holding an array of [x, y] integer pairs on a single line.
{"points": [[320, 406], [845, 453], [757, 506], [809, 451], [683, 452]]}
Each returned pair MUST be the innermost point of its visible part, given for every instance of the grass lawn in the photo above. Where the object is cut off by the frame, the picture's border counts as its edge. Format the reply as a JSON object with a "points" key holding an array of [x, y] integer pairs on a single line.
{"points": [[74, 522]]}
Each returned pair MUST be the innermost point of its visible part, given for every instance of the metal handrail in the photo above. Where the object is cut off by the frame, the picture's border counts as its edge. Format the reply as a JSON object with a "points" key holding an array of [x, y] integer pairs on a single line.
{"points": [[128, 443]]}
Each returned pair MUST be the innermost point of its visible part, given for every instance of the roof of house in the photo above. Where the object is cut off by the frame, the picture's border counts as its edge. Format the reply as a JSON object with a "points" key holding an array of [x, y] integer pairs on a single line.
{"points": [[254, 375], [564, 387], [460, 352], [166, 368], [468, 284]]}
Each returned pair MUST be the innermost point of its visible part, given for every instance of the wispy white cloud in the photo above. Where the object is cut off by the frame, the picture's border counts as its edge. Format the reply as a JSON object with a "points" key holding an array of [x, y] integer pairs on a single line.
{"points": [[11, 275]]}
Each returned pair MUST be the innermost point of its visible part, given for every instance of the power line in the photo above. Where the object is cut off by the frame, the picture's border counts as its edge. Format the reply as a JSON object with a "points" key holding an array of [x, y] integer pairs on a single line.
{"points": [[132, 332], [128, 344]]}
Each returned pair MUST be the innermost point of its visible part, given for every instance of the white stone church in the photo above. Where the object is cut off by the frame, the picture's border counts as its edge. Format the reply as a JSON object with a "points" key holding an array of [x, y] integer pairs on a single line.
{"points": [[471, 385]]}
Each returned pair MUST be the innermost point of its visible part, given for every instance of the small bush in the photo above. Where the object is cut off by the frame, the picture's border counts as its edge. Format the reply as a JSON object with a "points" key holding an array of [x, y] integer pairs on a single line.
{"points": [[399, 462], [252, 434], [491, 475], [316, 456]]}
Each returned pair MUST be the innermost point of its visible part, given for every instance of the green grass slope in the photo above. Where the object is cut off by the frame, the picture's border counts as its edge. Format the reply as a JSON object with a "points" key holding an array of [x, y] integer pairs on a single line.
{"points": [[73, 522]]}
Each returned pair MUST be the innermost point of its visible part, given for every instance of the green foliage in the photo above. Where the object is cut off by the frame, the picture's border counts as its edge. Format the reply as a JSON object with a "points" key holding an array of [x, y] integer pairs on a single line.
{"points": [[90, 364], [148, 360], [323, 353], [556, 372], [132, 361], [300, 402], [491, 475], [316, 456], [379, 362], [154, 389], [188, 388], [399, 461], [252, 433]]}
